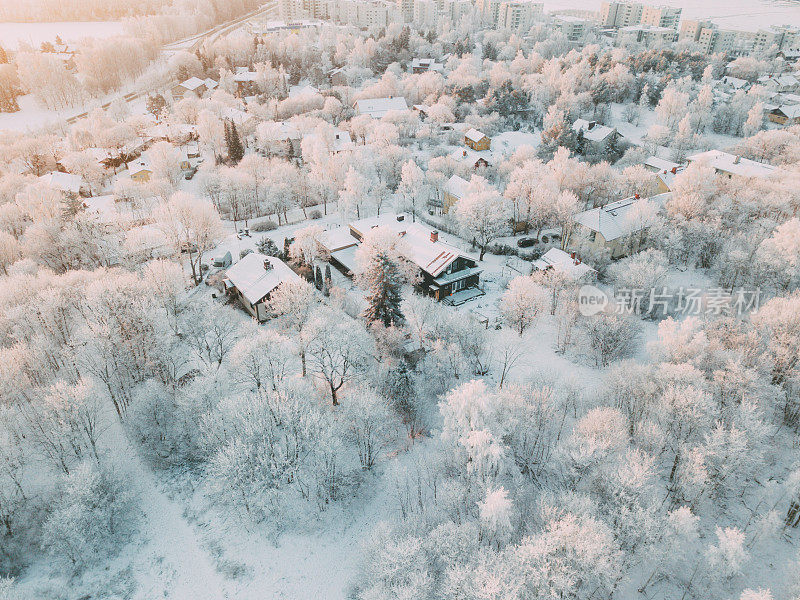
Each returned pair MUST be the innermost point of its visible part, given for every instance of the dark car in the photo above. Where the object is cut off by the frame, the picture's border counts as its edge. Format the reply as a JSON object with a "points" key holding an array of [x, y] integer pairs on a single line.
{"points": [[189, 174], [527, 242]]}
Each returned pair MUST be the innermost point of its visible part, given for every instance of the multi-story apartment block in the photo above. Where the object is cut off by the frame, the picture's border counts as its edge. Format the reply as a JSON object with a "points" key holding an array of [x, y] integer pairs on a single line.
{"points": [[661, 16], [620, 14], [574, 28], [428, 13], [648, 35], [519, 15]]}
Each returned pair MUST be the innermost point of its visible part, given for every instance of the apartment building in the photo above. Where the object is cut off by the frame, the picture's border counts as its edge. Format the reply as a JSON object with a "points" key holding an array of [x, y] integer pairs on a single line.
{"points": [[519, 15], [428, 13], [661, 16], [620, 14], [573, 28], [648, 35]]}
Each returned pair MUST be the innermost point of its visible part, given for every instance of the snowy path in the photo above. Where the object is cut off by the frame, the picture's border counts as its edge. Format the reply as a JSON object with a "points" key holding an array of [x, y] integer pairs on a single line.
{"points": [[178, 567]]}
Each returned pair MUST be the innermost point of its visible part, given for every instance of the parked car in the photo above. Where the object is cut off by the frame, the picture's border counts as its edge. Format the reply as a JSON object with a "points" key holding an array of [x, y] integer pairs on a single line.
{"points": [[190, 173], [527, 242], [223, 261]]}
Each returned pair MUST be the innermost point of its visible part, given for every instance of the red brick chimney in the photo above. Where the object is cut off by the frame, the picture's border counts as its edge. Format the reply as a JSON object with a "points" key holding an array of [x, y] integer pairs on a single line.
{"points": [[636, 196], [674, 170], [434, 236]]}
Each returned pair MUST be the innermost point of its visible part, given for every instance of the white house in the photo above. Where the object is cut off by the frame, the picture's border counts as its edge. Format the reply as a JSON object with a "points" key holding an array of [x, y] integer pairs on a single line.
{"points": [[254, 278], [731, 164], [569, 264], [378, 107], [65, 182], [594, 133]]}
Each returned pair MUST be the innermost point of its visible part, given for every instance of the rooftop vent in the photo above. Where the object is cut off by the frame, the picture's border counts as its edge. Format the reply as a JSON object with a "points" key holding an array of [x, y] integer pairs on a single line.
{"points": [[267, 265], [737, 159], [401, 217]]}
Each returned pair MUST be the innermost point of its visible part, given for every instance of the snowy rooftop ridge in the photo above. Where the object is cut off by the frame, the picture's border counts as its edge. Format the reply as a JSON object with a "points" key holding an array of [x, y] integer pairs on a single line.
{"points": [[592, 130], [66, 182], [422, 246], [378, 107], [254, 281], [735, 165], [559, 260], [612, 220]]}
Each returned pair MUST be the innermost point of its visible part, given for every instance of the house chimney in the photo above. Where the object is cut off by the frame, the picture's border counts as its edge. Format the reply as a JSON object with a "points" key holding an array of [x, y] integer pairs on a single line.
{"points": [[434, 236], [674, 170], [737, 159], [636, 196], [464, 154], [572, 255], [401, 217], [267, 265]]}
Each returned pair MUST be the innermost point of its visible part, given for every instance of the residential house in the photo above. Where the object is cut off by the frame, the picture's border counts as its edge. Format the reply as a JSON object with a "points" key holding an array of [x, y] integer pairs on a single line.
{"points": [[254, 278], [658, 165], [377, 108], [445, 272], [245, 80], [140, 170], [296, 91], [596, 136], [194, 85], [472, 159], [787, 114], [568, 264], [282, 139], [65, 182], [423, 65], [337, 76], [780, 83], [730, 164], [614, 227], [477, 140], [454, 190]]}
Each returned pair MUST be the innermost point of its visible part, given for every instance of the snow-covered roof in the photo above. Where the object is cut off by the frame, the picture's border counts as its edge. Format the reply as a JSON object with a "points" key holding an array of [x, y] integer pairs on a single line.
{"points": [[66, 182], [456, 186], [735, 165], [103, 207], [301, 90], [254, 281], [139, 165], [561, 261], [780, 80], [611, 221], [378, 107], [660, 164], [735, 82], [337, 238], [792, 111], [243, 75], [433, 257], [192, 83], [470, 156], [474, 135], [426, 63], [282, 131], [592, 130], [210, 83]]}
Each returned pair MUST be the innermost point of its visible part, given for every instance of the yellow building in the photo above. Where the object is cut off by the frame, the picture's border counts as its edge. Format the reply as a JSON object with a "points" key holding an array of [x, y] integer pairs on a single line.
{"points": [[140, 171], [477, 140]]}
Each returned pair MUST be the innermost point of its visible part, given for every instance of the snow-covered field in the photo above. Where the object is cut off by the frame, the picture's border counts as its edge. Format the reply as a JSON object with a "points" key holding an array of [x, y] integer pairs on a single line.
{"points": [[738, 14], [13, 35]]}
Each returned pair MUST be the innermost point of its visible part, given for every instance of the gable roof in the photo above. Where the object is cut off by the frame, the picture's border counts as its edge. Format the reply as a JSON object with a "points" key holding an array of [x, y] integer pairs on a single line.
{"points": [[192, 83], [790, 111], [729, 163], [66, 182], [456, 186], [378, 107], [559, 260], [432, 257], [592, 130], [611, 220], [660, 164], [254, 281], [474, 135]]}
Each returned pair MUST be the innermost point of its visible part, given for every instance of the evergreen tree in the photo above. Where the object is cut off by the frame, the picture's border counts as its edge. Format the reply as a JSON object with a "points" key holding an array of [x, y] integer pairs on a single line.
{"points": [[183, 73], [318, 278], [235, 148], [384, 283], [3, 56], [327, 287], [489, 51]]}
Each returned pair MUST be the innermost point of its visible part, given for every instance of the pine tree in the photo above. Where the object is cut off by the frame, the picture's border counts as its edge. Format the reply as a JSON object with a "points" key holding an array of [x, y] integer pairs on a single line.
{"points": [[384, 291], [235, 148], [318, 278], [327, 287]]}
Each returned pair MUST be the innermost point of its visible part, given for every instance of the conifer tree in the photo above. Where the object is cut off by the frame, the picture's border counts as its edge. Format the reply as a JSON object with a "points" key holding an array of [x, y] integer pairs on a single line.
{"points": [[235, 148], [383, 281]]}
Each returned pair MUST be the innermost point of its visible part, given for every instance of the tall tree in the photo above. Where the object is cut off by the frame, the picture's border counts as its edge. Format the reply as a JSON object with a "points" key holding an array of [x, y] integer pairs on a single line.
{"points": [[235, 148]]}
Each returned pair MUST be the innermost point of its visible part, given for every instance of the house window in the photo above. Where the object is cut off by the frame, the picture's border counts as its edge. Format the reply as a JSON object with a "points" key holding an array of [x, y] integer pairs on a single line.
{"points": [[459, 285]]}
